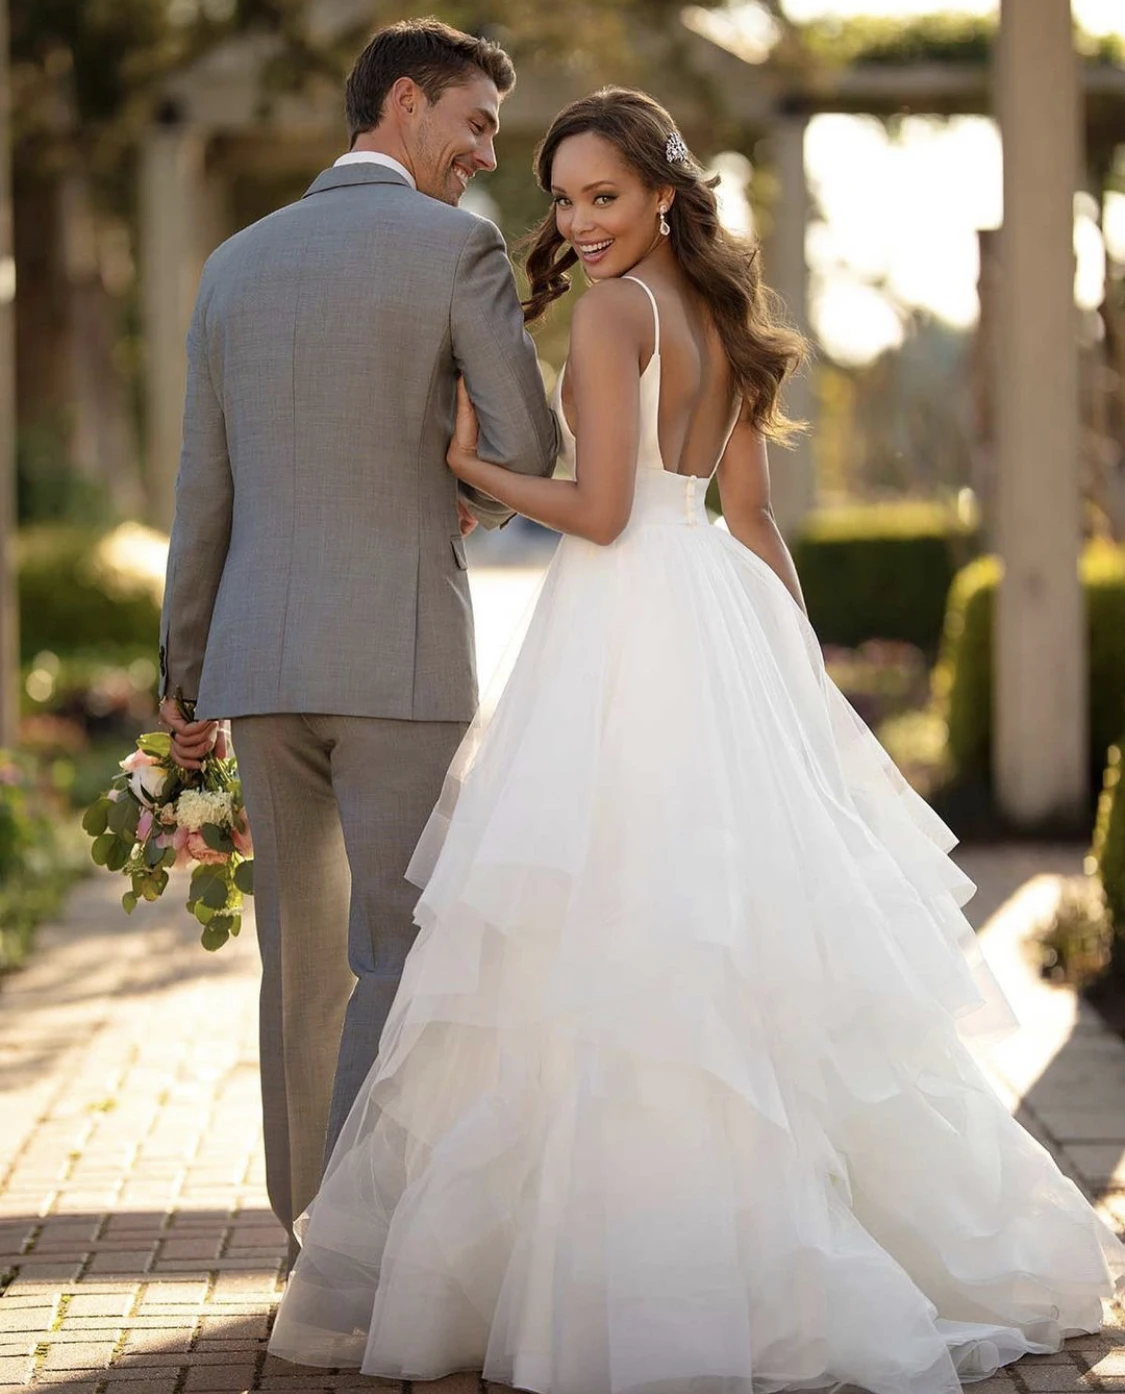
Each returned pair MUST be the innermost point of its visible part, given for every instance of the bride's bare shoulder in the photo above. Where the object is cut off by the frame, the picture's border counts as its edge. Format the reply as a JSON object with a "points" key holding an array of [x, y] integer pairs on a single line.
{"points": [[616, 310]]}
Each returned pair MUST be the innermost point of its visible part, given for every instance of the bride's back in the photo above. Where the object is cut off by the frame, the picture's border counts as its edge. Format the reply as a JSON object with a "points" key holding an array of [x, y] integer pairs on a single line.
{"points": [[696, 383], [694, 399]]}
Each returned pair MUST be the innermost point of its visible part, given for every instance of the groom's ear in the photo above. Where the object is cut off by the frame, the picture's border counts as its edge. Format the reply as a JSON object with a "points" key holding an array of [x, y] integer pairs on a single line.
{"points": [[405, 100]]}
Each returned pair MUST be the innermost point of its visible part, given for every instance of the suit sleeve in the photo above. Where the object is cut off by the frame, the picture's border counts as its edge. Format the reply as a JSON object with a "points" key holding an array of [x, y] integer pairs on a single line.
{"points": [[201, 529], [501, 370]]}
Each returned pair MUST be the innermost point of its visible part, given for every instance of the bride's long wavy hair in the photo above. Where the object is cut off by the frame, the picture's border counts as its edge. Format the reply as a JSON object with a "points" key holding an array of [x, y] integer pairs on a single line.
{"points": [[762, 349]]}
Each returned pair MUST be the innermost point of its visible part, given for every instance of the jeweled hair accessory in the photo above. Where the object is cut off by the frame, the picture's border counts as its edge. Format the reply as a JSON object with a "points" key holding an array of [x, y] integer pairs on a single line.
{"points": [[675, 152]]}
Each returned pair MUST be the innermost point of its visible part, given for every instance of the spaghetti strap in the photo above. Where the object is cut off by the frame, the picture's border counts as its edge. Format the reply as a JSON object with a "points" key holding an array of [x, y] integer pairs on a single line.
{"points": [[655, 310]]}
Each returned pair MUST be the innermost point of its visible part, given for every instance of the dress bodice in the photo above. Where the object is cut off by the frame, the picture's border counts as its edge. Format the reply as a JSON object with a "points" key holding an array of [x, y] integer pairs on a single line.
{"points": [[660, 495]]}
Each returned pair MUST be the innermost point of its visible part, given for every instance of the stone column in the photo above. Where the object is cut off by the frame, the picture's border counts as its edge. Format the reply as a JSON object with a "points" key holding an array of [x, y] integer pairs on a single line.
{"points": [[792, 475], [1040, 683], [171, 175], [9, 610]]}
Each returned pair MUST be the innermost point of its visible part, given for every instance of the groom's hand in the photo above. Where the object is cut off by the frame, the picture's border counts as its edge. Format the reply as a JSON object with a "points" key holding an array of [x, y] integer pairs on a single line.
{"points": [[192, 741]]}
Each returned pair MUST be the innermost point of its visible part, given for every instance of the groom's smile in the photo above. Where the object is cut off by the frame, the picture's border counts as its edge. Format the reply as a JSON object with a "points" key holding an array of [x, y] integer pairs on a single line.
{"points": [[453, 138]]}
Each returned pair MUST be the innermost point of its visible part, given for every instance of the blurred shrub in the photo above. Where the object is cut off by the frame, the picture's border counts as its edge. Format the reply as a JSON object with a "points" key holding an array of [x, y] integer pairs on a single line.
{"points": [[82, 590], [880, 678], [962, 682], [1085, 943], [82, 713], [1076, 945], [916, 740], [1107, 855], [37, 862], [881, 571], [48, 487]]}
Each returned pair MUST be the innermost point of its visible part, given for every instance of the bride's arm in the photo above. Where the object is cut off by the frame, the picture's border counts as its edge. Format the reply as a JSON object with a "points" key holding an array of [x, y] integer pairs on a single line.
{"points": [[607, 341], [744, 487]]}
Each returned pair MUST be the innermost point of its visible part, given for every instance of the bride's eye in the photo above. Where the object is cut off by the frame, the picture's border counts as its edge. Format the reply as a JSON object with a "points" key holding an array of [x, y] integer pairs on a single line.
{"points": [[559, 200], [607, 197]]}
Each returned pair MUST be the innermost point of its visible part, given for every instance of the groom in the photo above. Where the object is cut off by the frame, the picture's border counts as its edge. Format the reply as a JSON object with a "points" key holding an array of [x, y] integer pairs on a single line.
{"points": [[316, 590]]}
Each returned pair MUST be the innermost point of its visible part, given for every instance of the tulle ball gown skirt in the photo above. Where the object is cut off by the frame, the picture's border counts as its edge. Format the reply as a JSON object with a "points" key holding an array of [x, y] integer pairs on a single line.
{"points": [[674, 1096]]}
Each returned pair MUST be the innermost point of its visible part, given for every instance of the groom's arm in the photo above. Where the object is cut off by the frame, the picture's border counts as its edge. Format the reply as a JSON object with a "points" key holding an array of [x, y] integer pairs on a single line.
{"points": [[201, 530], [497, 358]]}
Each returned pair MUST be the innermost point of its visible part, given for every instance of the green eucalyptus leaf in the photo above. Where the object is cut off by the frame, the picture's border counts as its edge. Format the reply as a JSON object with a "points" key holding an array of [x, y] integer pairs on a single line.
{"points": [[129, 902], [101, 848], [119, 815], [96, 818], [214, 936], [244, 877], [216, 838], [154, 855], [156, 743], [203, 913], [215, 894], [117, 855]]}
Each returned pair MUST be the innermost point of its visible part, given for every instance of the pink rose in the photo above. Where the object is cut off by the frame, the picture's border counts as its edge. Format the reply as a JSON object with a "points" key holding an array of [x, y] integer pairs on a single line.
{"points": [[144, 825], [200, 852]]}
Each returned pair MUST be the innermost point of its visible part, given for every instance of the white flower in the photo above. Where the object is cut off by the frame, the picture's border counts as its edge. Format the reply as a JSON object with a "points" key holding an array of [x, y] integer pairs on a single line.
{"points": [[147, 778], [195, 807]]}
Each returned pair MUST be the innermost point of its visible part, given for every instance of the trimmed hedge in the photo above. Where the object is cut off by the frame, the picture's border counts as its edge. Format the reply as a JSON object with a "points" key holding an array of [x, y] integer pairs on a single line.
{"points": [[881, 571], [962, 683], [80, 589], [1108, 850]]}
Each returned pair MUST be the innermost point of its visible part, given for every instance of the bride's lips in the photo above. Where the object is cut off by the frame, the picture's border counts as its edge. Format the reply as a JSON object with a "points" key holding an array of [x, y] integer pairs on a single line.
{"points": [[592, 252]]}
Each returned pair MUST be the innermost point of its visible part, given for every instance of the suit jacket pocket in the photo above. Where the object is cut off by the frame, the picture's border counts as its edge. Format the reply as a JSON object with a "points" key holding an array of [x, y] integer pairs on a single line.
{"points": [[459, 552]]}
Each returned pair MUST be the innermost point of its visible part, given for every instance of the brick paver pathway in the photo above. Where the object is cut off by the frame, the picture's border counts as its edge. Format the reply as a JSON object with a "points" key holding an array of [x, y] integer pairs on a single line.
{"points": [[135, 1244]]}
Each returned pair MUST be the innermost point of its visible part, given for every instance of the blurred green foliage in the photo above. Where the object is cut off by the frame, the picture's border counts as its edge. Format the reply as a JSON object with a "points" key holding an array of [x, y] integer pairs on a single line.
{"points": [[881, 570], [39, 858], [962, 683], [941, 37], [72, 597], [1108, 850]]}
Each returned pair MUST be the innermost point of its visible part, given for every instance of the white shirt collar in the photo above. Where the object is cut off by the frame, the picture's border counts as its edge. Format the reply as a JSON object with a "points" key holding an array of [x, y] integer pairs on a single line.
{"points": [[376, 157]]}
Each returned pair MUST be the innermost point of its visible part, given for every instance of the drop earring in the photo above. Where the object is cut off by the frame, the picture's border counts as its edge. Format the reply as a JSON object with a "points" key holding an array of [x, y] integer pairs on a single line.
{"points": [[664, 228]]}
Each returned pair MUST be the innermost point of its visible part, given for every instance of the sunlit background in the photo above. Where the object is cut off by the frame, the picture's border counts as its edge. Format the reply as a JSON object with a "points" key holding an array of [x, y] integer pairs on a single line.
{"points": [[857, 139]]}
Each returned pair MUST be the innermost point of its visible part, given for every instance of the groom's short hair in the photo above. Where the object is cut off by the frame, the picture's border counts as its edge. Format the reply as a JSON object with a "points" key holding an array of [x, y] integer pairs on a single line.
{"points": [[432, 54]]}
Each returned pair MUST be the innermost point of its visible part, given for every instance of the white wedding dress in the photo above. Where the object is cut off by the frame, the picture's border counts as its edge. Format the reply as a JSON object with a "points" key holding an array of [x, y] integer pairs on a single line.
{"points": [[674, 1095]]}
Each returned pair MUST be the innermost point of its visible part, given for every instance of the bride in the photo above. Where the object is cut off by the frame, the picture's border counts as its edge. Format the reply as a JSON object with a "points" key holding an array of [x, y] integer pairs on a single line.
{"points": [[674, 1095]]}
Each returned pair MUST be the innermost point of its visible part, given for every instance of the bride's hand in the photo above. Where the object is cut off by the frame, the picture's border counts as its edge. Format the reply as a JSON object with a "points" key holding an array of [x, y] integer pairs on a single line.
{"points": [[463, 446]]}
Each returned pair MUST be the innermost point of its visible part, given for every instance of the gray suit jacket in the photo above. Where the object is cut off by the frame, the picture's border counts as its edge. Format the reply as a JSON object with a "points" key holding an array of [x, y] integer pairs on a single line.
{"points": [[316, 562]]}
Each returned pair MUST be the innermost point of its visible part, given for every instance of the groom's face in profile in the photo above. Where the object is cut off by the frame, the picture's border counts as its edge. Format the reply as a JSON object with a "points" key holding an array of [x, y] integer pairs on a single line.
{"points": [[452, 138]]}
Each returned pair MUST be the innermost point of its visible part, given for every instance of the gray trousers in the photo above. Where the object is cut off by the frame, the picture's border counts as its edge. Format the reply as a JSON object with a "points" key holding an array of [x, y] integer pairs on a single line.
{"points": [[336, 807]]}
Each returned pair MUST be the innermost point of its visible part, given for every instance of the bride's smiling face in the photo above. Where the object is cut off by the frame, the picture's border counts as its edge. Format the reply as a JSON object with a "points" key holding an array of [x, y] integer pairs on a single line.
{"points": [[602, 207]]}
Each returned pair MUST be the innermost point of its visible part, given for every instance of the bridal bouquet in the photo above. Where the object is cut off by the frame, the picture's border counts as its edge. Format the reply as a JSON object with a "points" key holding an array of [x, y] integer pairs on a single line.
{"points": [[156, 816]]}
